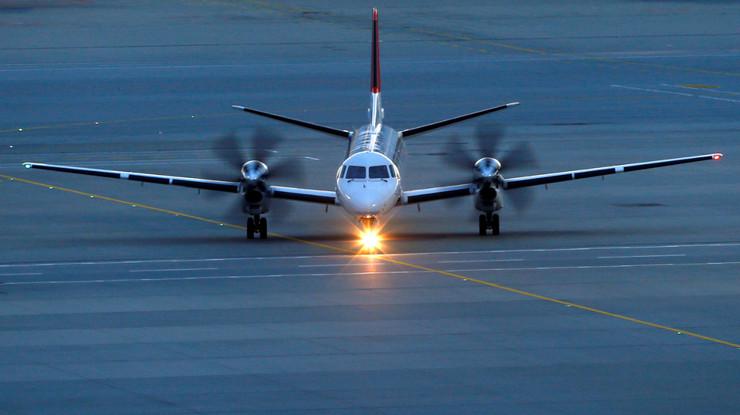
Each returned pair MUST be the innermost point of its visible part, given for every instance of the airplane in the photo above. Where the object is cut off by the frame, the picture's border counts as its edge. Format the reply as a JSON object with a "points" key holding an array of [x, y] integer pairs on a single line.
{"points": [[368, 181]]}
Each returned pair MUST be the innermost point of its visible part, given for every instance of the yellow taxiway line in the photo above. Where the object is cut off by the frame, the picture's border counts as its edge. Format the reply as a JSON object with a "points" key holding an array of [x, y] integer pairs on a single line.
{"points": [[391, 260]]}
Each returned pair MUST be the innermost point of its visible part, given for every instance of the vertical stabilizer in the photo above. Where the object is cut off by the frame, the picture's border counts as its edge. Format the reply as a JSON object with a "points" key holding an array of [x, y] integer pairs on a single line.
{"points": [[376, 109], [375, 71]]}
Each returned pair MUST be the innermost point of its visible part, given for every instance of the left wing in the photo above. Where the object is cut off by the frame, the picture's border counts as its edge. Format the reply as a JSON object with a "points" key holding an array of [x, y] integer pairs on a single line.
{"points": [[563, 176], [194, 182], [446, 192], [437, 193]]}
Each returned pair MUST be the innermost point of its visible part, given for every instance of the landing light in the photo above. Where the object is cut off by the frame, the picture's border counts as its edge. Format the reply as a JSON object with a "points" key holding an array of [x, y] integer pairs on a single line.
{"points": [[370, 240]]}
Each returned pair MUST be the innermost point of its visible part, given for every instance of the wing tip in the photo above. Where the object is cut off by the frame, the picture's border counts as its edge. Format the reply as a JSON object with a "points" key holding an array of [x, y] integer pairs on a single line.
{"points": [[27, 164], [512, 104], [717, 156], [238, 107]]}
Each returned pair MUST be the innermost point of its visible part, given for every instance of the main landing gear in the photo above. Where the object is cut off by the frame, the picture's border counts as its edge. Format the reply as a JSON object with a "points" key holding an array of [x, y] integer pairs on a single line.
{"points": [[488, 221], [257, 225]]}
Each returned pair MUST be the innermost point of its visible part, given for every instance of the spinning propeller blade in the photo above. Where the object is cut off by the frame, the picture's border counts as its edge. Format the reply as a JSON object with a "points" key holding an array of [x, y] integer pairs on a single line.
{"points": [[261, 146], [488, 137]]}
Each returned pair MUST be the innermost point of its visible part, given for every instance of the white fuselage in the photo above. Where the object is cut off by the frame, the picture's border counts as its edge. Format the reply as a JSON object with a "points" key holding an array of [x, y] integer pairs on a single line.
{"points": [[368, 181]]}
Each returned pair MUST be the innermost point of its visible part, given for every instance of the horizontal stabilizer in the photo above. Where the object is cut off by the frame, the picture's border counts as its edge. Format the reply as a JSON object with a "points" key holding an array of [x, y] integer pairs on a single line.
{"points": [[300, 123], [439, 124]]}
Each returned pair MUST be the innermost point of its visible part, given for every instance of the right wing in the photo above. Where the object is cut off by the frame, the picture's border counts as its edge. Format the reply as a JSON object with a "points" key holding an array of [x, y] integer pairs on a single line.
{"points": [[278, 192], [194, 182]]}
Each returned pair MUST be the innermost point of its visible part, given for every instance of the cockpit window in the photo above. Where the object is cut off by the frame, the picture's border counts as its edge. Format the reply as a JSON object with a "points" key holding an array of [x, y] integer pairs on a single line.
{"points": [[393, 171], [344, 170], [378, 172], [356, 172]]}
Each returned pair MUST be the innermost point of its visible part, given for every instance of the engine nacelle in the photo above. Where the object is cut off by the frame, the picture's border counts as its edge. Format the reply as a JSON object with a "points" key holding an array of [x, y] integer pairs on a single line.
{"points": [[256, 197], [488, 198], [255, 191]]}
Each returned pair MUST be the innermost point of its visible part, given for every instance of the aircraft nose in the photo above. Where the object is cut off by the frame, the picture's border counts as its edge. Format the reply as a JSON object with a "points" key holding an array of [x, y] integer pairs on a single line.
{"points": [[368, 198]]}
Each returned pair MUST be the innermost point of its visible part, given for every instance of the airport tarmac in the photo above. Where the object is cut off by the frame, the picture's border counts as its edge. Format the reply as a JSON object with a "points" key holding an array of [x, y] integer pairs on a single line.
{"points": [[607, 296]]}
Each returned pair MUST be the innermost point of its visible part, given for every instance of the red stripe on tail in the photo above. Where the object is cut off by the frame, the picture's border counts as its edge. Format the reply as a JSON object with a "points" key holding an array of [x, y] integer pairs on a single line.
{"points": [[375, 71]]}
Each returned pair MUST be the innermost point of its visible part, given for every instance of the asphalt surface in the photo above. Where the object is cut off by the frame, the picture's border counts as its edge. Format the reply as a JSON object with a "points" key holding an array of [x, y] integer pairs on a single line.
{"points": [[608, 296]]}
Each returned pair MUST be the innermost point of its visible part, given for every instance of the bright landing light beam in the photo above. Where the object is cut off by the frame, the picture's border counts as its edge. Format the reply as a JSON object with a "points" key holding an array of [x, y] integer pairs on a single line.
{"points": [[370, 240]]}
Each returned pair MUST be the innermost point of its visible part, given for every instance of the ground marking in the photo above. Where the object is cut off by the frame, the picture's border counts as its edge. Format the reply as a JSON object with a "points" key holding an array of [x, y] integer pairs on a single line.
{"points": [[465, 261], [171, 269], [639, 256], [360, 273], [672, 264], [694, 87], [334, 256], [364, 264], [18, 274], [121, 121], [685, 94], [392, 260], [201, 277]]}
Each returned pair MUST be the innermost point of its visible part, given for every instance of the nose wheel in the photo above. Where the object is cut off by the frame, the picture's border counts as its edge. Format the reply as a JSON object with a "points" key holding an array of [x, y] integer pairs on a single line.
{"points": [[256, 225], [489, 221], [368, 222]]}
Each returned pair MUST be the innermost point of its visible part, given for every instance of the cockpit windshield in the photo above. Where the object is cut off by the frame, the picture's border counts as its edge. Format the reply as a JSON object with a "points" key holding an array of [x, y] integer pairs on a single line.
{"points": [[378, 172], [356, 172]]}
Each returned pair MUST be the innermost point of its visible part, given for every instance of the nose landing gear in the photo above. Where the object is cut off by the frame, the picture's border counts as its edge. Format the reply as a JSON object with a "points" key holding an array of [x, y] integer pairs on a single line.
{"points": [[368, 223], [488, 221], [257, 225]]}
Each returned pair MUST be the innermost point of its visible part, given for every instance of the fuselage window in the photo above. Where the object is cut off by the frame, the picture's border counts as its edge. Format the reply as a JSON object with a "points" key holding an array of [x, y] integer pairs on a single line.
{"points": [[356, 172], [392, 170], [378, 172]]}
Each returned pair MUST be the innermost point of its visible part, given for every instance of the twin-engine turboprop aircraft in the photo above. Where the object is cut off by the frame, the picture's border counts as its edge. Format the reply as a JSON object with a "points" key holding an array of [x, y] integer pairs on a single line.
{"points": [[368, 183]]}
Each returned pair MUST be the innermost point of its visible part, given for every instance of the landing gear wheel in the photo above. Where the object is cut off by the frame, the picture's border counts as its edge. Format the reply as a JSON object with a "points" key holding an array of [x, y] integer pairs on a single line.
{"points": [[250, 228], [489, 221], [263, 228]]}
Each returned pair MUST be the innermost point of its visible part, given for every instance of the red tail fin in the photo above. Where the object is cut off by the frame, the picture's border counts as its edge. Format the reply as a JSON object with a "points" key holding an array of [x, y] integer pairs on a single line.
{"points": [[375, 71]]}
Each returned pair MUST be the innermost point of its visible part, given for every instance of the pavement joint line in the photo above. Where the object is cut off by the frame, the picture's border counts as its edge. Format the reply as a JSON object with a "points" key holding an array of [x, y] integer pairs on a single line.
{"points": [[384, 258]]}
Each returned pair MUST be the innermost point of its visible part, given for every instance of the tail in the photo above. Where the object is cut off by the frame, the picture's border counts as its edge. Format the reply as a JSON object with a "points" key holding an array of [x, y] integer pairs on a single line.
{"points": [[375, 70], [376, 109]]}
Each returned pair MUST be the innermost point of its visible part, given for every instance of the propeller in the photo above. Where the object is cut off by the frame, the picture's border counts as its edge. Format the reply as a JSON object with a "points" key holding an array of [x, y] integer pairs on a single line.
{"points": [[230, 150], [233, 154], [488, 138]]}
